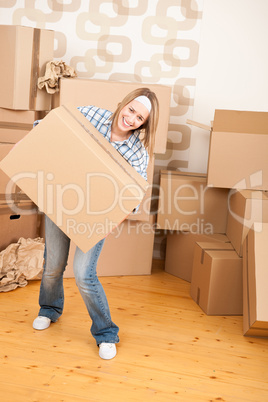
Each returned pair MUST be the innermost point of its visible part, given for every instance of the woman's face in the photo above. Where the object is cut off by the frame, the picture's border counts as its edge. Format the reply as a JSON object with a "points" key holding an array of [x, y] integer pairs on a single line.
{"points": [[132, 116]]}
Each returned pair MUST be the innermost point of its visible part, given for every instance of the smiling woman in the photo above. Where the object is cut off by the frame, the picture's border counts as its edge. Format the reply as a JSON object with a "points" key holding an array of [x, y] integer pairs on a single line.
{"points": [[137, 112], [143, 104], [131, 117]]}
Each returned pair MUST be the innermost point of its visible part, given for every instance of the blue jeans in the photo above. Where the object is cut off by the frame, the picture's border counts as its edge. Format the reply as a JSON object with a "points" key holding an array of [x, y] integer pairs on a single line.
{"points": [[51, 298]]}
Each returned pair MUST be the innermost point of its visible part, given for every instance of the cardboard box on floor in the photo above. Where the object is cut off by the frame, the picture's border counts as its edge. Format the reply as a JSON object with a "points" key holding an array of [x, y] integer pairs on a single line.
{"points": [[107, 95], [75, 176], [14, 125], [255, 279], [180, 251], [238, 150], [128, 250], [217, 279], [245, 208], [24, 222], [187, 204], [24, 54]]}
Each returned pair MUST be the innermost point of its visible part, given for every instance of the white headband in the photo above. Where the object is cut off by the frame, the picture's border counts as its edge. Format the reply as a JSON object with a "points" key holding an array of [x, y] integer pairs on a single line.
{"points": [[145, 101]]}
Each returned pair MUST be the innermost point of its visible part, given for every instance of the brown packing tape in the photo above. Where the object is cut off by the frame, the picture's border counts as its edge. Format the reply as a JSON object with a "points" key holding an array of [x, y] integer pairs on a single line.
{"points": [[212, 249], [202, 256], [35, 68], [247, 282], [15, 126], [198, 296], [14, 197], [170, 173], [3, 142]]}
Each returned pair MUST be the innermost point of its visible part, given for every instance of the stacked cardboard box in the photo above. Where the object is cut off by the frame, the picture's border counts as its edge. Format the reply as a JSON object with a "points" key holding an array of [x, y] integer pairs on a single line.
{"points": [[21, 221], [245, 208], [217, 279], [24, 54], [255, 277], [189, 211], [238, 150], [14, 125], [238, 171], [242, 136], [237, 162], [180, 248]]}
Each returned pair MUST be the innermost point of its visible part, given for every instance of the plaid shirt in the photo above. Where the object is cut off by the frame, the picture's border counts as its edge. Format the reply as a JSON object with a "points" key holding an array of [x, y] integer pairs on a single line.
{"points": [[131, 149]]}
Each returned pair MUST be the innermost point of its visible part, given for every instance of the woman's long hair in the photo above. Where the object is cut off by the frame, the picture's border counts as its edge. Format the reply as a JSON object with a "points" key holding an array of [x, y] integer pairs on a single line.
{"points": [[150, 126]]}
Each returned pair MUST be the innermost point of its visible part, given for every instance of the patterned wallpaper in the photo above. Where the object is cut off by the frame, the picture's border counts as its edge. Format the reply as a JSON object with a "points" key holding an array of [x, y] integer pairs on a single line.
{"points": [[147, 41]]}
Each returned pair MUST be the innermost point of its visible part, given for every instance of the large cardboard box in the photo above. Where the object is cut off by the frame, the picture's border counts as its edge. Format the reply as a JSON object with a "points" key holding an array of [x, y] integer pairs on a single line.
{"points": [[107, 95], [217, 279], [24, 54], [187, 204], [128, 250], [238, 150], [75, 176], [245, 208], [25, 222], [14, 125], [180, 251], [144, 211], [255, 279]]}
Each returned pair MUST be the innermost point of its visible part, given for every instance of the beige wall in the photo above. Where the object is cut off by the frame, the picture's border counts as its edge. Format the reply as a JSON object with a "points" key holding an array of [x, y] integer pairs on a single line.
{"points": [[232, 66], [157, 41]]}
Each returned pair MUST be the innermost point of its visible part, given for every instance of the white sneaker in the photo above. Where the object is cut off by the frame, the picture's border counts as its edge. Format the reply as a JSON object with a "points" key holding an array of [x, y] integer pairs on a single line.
{"points": [[107, 350], [41, 322]]}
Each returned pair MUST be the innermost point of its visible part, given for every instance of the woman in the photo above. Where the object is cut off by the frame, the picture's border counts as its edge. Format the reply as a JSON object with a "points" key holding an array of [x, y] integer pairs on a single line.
{"points": [[137, 112]]}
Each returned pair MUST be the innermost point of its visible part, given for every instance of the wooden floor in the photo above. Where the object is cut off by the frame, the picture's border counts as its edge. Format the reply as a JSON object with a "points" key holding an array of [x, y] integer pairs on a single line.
{"points": [[169, 349]]}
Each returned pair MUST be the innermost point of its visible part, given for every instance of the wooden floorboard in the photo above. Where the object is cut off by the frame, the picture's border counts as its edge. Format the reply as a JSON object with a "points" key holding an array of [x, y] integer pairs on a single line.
{"points": [[169, 349]]}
